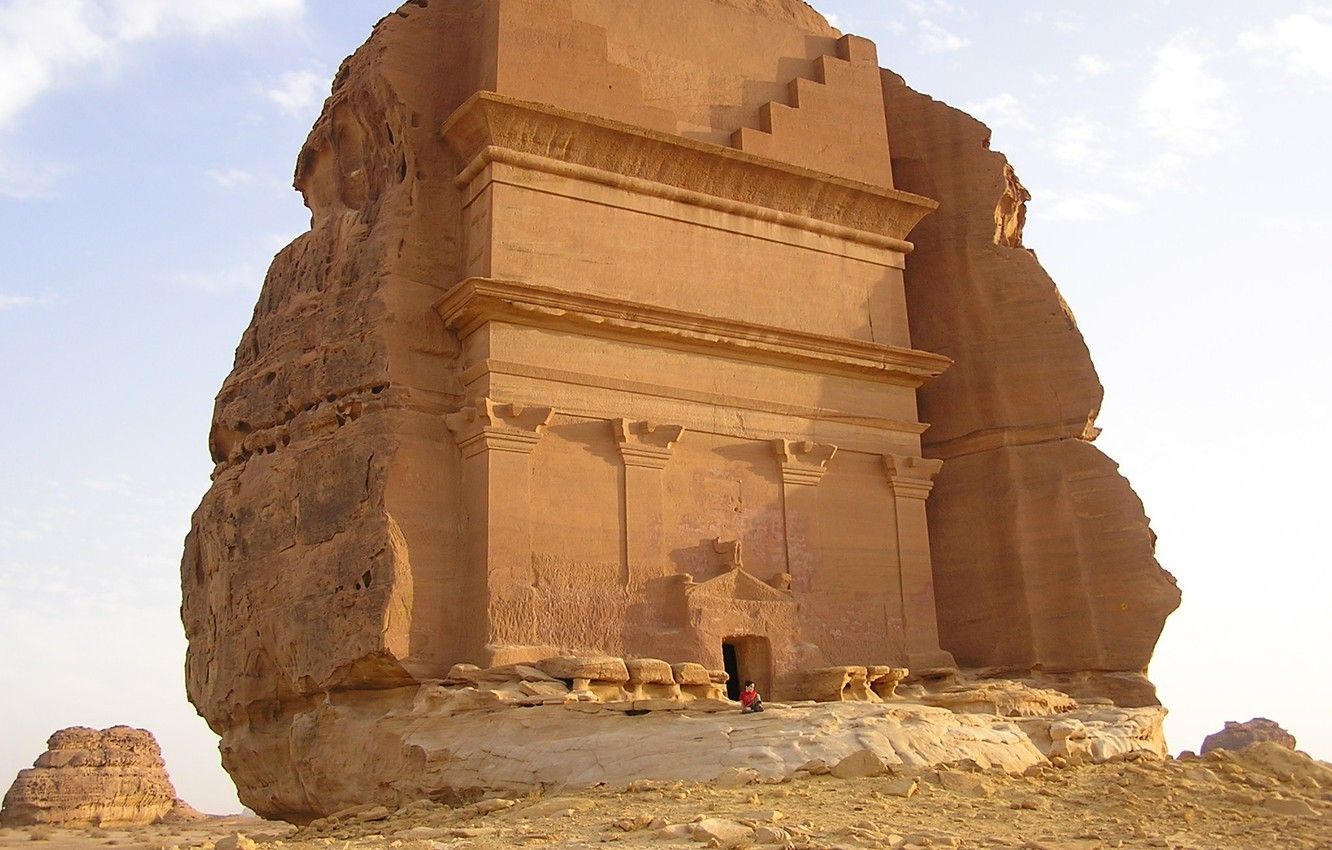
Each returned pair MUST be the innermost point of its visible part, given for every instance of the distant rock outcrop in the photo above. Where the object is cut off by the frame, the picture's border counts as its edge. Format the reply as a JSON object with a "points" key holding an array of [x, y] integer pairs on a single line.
{"points": [[1237, 736], [86, 777]]}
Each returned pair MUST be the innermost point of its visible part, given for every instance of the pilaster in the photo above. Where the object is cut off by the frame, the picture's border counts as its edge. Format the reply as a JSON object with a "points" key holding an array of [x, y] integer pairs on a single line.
{"points": [[497, 441], [645, 448], [802, 465], [911, 479]]}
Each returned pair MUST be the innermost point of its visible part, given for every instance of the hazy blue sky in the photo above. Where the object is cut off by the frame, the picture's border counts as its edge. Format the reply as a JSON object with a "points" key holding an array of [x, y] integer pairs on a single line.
{"points": [[1176, 151]]}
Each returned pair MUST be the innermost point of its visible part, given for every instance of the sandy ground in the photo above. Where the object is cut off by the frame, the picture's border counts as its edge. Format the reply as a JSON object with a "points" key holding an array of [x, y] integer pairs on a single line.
{"points": [[1250, 800]]}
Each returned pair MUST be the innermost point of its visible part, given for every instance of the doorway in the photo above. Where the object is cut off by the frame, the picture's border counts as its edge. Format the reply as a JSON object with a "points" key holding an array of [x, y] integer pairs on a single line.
{"points": [[747, 657]]}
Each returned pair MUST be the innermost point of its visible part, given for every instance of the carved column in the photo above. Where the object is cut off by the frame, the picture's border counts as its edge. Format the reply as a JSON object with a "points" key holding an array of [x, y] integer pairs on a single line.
{"points": [[802, 464], [645, 447], [497, 441], [911, 479]]}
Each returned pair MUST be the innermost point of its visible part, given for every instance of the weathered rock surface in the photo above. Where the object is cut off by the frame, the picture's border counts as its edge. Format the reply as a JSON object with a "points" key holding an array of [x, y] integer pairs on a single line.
{"points": [[1043, 557], [87, 777], [352, 548], [457, 743], [1237, 736]]}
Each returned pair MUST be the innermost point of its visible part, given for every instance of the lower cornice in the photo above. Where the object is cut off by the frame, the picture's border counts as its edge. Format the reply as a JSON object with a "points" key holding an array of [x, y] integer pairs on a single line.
{"points": [[475, 301]]}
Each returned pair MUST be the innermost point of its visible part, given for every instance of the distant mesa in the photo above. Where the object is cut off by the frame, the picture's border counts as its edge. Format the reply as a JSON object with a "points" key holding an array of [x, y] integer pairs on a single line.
{"points": [[87, 777], [1237, 736]]}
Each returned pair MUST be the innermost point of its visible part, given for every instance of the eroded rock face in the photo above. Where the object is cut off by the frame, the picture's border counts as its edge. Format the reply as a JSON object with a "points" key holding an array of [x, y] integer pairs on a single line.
{"points": [[87, 777], [620, 360], [1043, 556], [1237, 736]]}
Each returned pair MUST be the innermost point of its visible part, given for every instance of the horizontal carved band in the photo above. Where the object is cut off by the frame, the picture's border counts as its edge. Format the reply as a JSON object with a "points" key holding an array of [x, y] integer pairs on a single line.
{"points": [[490, 121], [478, 300]]}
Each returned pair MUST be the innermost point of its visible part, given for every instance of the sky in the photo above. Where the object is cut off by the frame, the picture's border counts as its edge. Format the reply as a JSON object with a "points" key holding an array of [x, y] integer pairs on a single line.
{"points": [[1176, 152]]}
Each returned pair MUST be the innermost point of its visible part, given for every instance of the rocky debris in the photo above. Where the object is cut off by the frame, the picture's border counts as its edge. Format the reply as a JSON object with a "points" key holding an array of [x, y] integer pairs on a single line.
{"points": [[1237, 736], [858, 765], [1261, 798], [87, 777]]}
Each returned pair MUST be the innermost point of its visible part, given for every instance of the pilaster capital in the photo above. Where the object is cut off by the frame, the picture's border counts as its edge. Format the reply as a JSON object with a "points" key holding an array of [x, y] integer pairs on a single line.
{"points": [[645, 443], [487, 425], [802, 461], [911, 477]]}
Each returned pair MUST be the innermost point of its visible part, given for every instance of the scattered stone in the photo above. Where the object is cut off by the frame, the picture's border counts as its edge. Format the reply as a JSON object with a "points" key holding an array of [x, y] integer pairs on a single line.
{"points": [[905, 786], [235, 841], [558, 806], [1290, 806], [966, 784], [859, 765], [771, 835], [727, 833], [736, 777]]}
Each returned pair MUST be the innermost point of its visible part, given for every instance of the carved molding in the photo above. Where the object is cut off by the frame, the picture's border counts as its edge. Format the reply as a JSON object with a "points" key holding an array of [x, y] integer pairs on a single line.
{"points": [[476, 301], [911, 477], [646, 444], [490, 426], [491, 127], [803, 462]]}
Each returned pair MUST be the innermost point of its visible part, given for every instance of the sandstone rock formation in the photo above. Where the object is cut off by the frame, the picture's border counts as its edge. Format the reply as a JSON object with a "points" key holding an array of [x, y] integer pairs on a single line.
{"points": [[86, 777], [621, 359], [1237, 736], [1043, 558], [488, 732]]}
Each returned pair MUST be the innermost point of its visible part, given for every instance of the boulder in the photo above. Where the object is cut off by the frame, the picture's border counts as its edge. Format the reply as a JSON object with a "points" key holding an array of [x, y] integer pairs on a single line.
{"points": [[859, 765]]}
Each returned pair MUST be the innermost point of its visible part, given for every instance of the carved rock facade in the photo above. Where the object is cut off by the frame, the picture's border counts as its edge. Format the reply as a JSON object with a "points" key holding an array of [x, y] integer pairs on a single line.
{"points": [[623, 358]]}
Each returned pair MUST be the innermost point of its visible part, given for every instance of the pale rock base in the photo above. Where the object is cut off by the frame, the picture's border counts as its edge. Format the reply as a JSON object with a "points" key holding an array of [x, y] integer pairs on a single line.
{"points": [[394, 746]]}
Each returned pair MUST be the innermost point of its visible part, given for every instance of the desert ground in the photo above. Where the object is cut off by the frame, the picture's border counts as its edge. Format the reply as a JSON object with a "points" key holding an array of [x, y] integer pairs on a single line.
{"points": [[1261, 798]]}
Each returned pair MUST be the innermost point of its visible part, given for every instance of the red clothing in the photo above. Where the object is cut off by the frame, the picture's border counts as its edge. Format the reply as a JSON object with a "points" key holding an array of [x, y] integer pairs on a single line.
{"points": [[748, 698]]}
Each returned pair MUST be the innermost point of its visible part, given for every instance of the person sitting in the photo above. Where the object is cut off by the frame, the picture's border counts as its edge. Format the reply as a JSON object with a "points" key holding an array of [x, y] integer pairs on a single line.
{"points": [[750, 701]]}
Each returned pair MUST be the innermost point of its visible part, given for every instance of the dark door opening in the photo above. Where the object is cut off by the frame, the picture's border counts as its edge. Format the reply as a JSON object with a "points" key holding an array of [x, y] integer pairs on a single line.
{"points": [[746, 658], [732, 670]]}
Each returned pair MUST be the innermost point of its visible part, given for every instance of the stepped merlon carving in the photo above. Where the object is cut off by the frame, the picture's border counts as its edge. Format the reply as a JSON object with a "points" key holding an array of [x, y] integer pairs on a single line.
{"points": [[833, 122]]}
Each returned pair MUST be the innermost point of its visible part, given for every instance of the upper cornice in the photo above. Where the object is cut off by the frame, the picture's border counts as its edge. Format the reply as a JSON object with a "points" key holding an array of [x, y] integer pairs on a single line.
{"points": [[491, 127]]}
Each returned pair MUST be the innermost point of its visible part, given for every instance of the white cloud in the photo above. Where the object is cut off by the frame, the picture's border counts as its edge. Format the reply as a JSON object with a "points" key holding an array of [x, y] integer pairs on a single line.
{"points": [[229, 178], [9, 302], [1302, 42], [1087, 206], [925, 8], [936, 39], [26, 180], [49, 43], [1184, 103], [1091, 65], [239, 278], [1080, 142], [140, 19], [299, 91], [1000, 112]]}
